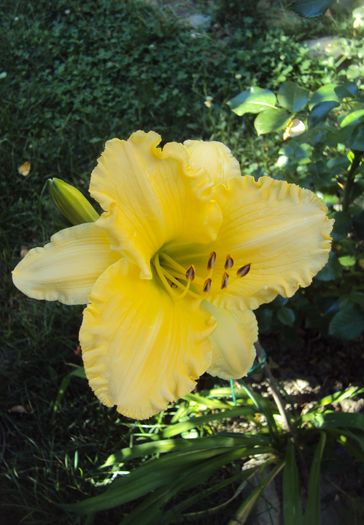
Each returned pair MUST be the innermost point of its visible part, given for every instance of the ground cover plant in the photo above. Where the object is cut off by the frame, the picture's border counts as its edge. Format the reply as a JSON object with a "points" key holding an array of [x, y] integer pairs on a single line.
{"points": [[75, 74]]}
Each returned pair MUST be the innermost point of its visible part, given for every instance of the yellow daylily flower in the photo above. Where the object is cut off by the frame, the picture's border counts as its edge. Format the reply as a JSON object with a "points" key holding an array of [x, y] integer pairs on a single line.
{"points": [[185, 249]]}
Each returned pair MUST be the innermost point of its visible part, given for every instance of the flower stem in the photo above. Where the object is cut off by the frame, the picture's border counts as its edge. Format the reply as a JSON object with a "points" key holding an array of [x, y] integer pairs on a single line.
{"points": [[274, 389], [273, 385]]}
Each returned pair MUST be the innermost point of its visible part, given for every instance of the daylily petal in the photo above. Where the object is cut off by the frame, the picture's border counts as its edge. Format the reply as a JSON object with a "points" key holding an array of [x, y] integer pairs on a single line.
{"points": [[232, 341], [141, 349], [280, 230], [66, 269], [213, 161], [149, 197]]}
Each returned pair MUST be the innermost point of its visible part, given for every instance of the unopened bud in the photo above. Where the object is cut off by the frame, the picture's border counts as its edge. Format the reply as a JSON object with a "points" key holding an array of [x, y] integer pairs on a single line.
{"points": [[72, 204]]}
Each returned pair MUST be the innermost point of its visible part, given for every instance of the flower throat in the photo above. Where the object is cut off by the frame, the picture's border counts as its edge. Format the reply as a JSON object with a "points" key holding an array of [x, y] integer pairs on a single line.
{"points": [[180, 281]]}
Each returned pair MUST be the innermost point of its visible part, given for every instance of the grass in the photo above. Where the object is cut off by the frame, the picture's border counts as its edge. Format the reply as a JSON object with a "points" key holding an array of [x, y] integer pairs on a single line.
{"points": [[75, 74]]}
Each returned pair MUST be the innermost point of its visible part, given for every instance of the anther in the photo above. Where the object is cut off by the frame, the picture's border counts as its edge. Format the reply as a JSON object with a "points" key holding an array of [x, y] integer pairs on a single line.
{"points": [[225, 280], [207, 285], [211, 261], [243, 270], [229, 262], [190, 273]]}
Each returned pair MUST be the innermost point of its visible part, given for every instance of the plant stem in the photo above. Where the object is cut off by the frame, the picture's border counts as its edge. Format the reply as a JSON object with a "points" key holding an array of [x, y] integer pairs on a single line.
{"points": [[273, 385], [358, 155], [274, 389]]}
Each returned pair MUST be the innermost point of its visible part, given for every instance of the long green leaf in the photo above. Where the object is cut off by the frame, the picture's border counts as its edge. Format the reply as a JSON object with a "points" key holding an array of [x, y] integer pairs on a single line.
{"points": [[247, 506], [338, 420], [154, 474], [151, 509], [188, 502], [179, 445], [336, 397], [312, 515], [263, 406], [178, 428], [292, 508], [78, 372]]}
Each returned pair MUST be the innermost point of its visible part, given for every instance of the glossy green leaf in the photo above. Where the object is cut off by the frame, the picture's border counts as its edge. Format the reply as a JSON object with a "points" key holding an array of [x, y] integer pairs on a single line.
{"points": [[292, 507], [311, 8], [253, 100], [292, 97], [326, 93], [348, 261], [312, 514], [286, 316], [356, 139], [348, 323], [271, 120], [354, 117], [320, 112], [330, 271]]}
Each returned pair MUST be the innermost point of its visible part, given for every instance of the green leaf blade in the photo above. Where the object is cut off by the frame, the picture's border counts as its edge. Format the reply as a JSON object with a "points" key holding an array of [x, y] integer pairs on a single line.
{"points": [[311, 8], [292, 508], [271, 120], [354, 117], [312, 515], [253, 100], [292, 97]]}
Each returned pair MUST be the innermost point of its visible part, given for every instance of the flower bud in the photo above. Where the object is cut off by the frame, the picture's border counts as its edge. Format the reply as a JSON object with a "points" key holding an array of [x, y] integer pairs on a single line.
{"points": [[72, 204]]}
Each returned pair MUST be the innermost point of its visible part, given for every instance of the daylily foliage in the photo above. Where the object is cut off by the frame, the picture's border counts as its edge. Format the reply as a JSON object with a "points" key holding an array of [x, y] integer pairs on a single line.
{"points": [[171, 271]]}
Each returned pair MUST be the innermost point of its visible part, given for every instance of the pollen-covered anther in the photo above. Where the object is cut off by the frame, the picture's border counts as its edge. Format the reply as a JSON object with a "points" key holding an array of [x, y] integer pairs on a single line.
{"points": [[243, 270], [190, 273], [207, 285], [225, 280], [211, 260], [229, 262]]}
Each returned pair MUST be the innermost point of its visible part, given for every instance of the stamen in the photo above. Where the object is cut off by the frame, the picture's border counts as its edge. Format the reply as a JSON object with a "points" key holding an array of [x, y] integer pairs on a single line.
{"points": [[211, 261], [229, 263], [190, 273], [243, 271], [207, 285], [225, 280]]}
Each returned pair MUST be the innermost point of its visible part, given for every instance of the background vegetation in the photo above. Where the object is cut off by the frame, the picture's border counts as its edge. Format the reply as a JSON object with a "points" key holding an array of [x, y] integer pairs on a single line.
{"points": [[74, 74]]}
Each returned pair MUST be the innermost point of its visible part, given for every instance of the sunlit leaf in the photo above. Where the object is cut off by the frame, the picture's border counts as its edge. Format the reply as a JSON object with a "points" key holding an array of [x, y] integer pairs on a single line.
{"points": [[292, 97], [271, 120], [353, 118], [253, 100]]}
